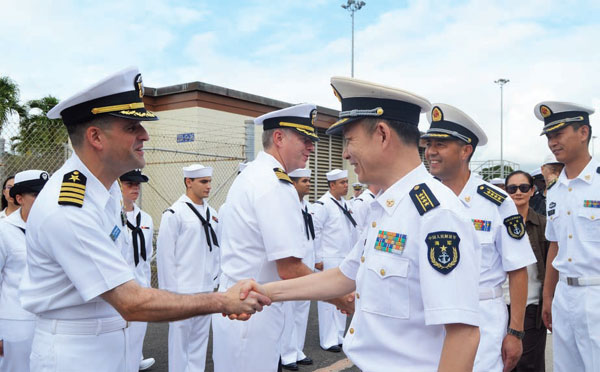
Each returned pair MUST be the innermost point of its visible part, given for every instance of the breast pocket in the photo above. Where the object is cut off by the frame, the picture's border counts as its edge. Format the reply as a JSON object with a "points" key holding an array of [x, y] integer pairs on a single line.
{"points": [[385, 288], [589, 224], [488, 249]]}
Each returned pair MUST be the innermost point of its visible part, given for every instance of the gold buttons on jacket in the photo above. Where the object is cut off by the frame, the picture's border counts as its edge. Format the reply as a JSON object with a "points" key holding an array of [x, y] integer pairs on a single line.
{"points": [[570, 259], [570, 189], [373, 224], [362, 259], [467, 199], [357, 295], [382, 272], [570, 236], [351, 330], [569, 213]]}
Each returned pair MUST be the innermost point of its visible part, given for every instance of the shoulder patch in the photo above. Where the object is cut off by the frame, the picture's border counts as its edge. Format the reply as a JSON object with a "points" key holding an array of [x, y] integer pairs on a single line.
{"points": [[319, 202], [72, 190], [443, 254], [423, 198], [491, 194], [515, 226], [280, 173], [169, 210], [552, 183]]}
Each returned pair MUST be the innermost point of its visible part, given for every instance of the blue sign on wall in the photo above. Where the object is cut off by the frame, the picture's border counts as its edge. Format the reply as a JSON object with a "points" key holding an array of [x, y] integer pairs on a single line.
{"points": [[185, 137]]}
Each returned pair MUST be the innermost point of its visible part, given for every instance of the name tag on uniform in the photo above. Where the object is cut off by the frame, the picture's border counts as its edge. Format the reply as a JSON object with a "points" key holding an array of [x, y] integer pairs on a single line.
{"points": [[114, 234], [591, 203], [482, 225], [391, 242]]}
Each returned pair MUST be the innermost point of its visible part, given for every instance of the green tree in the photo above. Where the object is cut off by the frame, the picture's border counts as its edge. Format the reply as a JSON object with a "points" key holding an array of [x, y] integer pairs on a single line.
{"points": [[9, 99]]}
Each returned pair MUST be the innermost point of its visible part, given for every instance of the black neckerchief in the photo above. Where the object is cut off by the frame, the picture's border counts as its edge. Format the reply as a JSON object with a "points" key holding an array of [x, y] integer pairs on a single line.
{"points": [[346, 212], [308, 224], [208, 229], [136, 231]]}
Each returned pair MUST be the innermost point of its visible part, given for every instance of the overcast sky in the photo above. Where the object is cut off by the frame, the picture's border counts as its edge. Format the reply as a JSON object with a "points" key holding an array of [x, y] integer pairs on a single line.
{"points": [[446, 51]]}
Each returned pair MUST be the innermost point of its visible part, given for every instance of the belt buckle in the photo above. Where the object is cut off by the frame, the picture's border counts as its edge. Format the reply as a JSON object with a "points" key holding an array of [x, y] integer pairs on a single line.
{"points": [[573, 281]]}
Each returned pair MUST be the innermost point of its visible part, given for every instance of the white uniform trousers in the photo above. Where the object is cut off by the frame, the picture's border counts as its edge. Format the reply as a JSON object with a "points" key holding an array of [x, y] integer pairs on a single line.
{"points": [[137, 331], [576, 328], [53, 352], [294, 331], [188, 340], [17, 336], [493, 321], [249, 346], [332, 322]]}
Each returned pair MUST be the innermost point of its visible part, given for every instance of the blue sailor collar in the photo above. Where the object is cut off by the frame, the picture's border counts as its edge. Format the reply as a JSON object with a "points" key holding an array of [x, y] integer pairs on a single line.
{"points": [[391, 198]]}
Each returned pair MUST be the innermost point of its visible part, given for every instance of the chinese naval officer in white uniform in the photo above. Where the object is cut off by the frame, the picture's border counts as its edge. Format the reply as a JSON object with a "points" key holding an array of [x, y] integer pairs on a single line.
{"points": [[141, 228], [416, 266], [187, 261], [16, 324], [572, 284], [451, 140], [262, 237], [78, 280], [336, 233]]}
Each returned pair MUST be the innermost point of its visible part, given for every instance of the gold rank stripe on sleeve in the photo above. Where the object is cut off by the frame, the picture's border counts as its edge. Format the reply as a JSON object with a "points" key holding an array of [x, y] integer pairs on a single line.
{"points": [[423, 198], [280, 173], [72, 189], [491, 194]]}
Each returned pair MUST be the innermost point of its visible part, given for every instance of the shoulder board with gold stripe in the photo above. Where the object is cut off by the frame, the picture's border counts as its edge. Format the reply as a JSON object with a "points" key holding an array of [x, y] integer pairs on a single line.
{"points": [[491, 194], [552, 183], [423, 198], [280, 173], [72, 189]]}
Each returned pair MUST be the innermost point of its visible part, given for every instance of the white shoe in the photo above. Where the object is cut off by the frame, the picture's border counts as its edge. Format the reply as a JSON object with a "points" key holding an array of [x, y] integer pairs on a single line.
{"points": [[146, 363]]}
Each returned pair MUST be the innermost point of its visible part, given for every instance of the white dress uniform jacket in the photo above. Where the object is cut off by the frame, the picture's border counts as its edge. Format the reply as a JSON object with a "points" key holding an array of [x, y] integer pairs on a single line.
{"points": [[187, 264], [573, 209], [360, 208], [504, 247], [74, 254], [414, 273], [262, 225], [335, 237], [16, 323], [142, 272]]}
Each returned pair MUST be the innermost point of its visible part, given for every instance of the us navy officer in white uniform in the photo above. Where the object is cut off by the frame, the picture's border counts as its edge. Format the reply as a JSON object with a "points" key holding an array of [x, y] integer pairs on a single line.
{"points": [[187, 260], [451, 140], [296, 312], [416, 267], [141, 229], [262, 237], [77, 279], [336, 234], [572, 283], [16, 324]]}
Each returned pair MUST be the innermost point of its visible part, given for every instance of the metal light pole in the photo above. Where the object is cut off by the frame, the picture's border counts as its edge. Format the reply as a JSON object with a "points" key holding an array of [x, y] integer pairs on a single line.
{"points": [[501, 82], [352, 6]]}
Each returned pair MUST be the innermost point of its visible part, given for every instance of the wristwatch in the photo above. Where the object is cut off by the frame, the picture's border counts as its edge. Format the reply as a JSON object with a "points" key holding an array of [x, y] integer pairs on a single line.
{"points": [[514, 332]]}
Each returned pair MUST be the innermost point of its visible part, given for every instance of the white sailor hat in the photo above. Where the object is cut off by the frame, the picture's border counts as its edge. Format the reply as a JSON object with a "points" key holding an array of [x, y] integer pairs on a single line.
{"points": [[497, 181], [29, 181], [550, 159], [336, 174], [117, 95], [536, 172], [448, 122], [557, 115], [300, 172], [197, 171], [301, 117], [362, 99], [357, 186]]}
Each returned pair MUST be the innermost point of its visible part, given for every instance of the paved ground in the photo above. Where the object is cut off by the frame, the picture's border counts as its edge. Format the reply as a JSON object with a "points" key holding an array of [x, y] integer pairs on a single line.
{"points": [[156, 346]]}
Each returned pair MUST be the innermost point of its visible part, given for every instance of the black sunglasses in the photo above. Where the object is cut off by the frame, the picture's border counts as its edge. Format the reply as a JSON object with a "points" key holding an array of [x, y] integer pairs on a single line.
{"points": [[524, 187]]}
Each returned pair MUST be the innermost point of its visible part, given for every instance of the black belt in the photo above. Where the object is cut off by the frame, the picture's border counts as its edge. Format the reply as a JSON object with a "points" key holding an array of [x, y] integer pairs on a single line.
{"points": [[308, 224], [136, 231], [346, 212], [208, 229]]}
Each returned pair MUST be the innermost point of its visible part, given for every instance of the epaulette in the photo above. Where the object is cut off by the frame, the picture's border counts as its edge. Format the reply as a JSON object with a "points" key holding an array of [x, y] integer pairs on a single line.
{"points": [[491, 194], [280, 173], [319, 202], [169, 210], [72, 190], [423, 198], [552, 183]]}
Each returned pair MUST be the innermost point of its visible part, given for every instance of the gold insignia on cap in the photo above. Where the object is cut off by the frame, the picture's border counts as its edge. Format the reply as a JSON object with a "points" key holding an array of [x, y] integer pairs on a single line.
{"points": [[138, 85], [379, 111], [72, 189], [436, 114], [313, 117], [545, 111]]}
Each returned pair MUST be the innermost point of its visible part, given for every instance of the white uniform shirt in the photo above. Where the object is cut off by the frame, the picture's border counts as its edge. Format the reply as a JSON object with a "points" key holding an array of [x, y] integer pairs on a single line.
{"points": [[263, 223], [500, 252], [142, 270], [573, 209], [335, 234], [402, 302], [13, 256], [75, 254], [360, 208], [185, 262], [3, 214]]}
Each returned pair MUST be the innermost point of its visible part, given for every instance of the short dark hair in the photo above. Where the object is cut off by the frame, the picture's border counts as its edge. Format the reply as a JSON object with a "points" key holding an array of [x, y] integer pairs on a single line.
{"points": [[409, 134], [4, 201], [295, 179], [77, 131], [576, 127], [514, 173]]}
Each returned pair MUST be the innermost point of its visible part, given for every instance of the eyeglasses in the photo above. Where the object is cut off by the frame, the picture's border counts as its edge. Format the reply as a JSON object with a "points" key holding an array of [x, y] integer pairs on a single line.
{"points": [[7, 187], [524, 187]]}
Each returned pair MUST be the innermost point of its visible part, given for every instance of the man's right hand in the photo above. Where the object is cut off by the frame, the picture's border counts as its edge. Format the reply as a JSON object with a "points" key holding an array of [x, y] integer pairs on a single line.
{"points": [[2, 348], [243, 299], [547, 312]]}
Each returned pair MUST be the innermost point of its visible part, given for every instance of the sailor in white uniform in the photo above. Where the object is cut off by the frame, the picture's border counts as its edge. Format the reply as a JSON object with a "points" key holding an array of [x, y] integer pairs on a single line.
{"points": [[187, 259], [451, 140], [16, 323]]}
